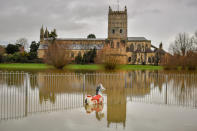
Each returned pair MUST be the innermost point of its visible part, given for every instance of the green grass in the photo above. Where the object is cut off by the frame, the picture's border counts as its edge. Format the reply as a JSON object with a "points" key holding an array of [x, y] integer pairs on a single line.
{"points": [[84, 67], [25, 66], [140, 67], [21, 66]]}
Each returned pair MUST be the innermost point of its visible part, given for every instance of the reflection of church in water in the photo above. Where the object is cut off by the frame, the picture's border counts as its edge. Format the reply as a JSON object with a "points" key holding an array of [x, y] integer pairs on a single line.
{"points": [[45, 94], [116, 107]]}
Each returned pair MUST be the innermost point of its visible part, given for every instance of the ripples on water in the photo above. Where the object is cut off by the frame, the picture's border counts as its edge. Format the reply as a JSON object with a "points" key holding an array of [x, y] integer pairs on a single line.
{"points": [[23, 95]]}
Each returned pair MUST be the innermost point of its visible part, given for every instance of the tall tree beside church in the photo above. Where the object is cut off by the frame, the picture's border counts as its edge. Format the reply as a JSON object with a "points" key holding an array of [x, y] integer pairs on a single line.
{"points": [[182, 44], [92, 55], [2, 51], [34, 46], [33, 50], [78, 58], [87, 58]]}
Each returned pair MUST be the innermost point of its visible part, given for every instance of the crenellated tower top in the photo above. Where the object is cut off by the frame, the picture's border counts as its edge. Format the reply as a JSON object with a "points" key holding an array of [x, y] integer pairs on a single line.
{"points": [[117, 24]]}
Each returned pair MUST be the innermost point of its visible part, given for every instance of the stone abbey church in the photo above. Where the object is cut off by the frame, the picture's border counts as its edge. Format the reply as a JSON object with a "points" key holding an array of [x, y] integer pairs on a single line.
{"points": [[129, 50]]}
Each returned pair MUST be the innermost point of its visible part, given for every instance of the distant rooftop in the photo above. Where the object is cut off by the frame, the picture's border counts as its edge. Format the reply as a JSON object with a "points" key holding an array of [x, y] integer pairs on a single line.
{"points": [[137, 39], [100, 39], [89, 39]]}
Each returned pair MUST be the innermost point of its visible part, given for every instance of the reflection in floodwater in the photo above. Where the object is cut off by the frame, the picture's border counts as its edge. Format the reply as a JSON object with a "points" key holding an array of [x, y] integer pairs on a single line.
{"points": [[22, 94], [116, 105], [97, 108]]}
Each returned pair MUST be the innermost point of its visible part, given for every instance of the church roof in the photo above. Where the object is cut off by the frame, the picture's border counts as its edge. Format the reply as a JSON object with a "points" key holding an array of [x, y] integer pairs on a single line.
{"points": [[77, 39], [137, 39], [160, 51]]}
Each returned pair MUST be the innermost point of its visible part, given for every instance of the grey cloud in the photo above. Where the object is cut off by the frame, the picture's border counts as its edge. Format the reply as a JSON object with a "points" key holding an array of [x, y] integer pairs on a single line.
{"points": [[144, 12], [157, 20], [192, 3]]}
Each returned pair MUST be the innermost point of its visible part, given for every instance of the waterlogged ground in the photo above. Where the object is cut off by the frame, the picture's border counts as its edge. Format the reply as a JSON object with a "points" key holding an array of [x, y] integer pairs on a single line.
{"points": [[139, 117], [133, 101]]}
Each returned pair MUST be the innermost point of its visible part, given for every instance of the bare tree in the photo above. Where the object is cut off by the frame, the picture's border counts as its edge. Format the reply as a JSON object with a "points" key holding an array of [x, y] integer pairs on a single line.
{"points": [[2, 50], [182, 44], [195, 40], [184, 53], [57, 55], [23, 42]]}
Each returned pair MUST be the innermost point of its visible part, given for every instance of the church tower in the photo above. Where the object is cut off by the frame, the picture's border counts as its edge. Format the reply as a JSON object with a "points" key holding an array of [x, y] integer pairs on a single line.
{"points": [[117, 24]]}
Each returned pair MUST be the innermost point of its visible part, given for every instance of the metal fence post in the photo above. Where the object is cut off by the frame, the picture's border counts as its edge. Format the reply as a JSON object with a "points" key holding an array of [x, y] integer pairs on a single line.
{"points": [[131, 81], [166, 95], [26, 94], [84, 78]]}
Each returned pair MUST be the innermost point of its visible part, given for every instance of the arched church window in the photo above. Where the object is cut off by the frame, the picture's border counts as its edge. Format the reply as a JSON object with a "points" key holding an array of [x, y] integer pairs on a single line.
{"points": [[127, 49], [121, 31], [143, 48], [139, 47], [153, 59], [113, 31], [118, 45], [131, 48], [138, 60], [146, 46], [149, 59], [129, 59], [72, 54], [79, 53], [112, 45]]}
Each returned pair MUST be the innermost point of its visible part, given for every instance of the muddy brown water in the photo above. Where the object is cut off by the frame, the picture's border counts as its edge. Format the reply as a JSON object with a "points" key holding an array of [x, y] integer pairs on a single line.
{"points": [[133, 100]]}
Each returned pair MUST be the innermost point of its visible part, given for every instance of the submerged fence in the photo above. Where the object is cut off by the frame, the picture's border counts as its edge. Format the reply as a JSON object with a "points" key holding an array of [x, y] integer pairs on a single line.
{"points": [[22, 94]]}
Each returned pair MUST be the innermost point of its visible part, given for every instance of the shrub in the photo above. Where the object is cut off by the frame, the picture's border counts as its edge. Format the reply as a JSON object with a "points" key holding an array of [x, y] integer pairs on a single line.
{"points": [[32, 55], [11, 49], [57, 55], [87, 58], [109, 60], [182, 62], [16, 58], [78, 58]]}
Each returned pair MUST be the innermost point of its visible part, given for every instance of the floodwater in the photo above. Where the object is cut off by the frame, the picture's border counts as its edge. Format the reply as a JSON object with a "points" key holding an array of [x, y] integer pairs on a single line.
{"points": [[133, 101]]}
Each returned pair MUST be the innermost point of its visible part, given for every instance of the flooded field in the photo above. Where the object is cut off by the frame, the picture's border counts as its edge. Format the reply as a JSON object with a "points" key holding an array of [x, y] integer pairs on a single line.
{"points": [[133, 101]]}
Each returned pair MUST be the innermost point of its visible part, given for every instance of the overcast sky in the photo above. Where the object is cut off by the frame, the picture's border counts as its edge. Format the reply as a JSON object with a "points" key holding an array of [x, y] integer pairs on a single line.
{"points": [[157, 20]]}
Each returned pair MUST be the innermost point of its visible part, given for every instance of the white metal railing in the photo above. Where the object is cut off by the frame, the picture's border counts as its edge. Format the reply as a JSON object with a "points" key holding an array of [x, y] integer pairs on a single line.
{"points": [[22, 94]]}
